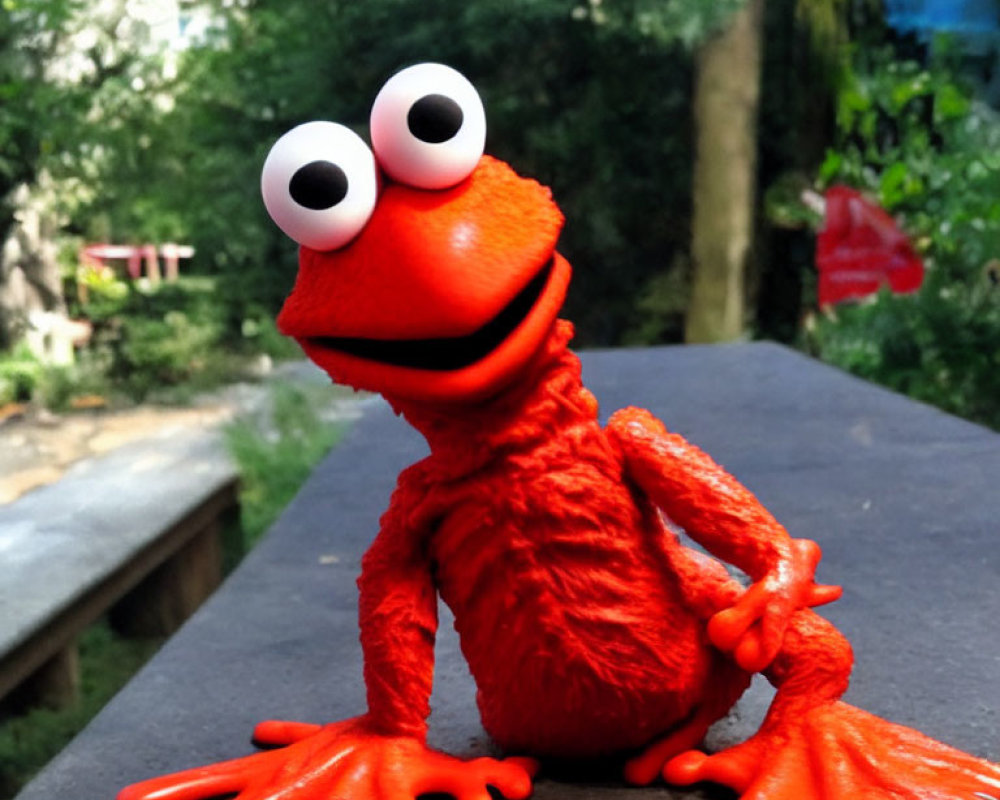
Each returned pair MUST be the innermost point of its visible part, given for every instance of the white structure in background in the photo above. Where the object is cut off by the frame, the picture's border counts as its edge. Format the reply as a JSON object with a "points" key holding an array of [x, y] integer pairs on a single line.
{"points": [[139, 258], [30, 281], [146, 27]]}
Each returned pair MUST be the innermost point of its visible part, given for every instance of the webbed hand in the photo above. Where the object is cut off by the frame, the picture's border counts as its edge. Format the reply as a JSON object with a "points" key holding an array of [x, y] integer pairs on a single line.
{"points": [[345, 759], [754, 627]]}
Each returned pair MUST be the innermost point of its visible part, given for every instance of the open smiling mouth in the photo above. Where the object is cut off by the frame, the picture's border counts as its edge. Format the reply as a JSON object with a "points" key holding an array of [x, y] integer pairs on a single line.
{"points": [[445, 353]]}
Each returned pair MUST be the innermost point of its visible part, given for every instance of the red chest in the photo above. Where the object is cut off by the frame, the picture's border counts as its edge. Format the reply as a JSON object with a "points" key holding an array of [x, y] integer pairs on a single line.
{"points": [[547, 561]]}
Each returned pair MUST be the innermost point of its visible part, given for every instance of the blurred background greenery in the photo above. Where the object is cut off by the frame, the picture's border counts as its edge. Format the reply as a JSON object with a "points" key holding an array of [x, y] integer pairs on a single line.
{"points": [[677, 135]]}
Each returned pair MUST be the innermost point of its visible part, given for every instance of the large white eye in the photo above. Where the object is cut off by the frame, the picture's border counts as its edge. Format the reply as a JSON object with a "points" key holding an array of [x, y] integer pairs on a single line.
{"points": [[320, 184], [428, 126]]}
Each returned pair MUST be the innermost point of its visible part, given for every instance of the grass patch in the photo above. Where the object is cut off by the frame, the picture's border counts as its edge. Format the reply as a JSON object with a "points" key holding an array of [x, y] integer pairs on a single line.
{"points": [[276, 451], [28, 741]]}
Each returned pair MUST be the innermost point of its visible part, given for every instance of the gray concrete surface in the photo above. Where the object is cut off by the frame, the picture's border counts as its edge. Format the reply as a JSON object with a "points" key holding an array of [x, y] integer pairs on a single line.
{"points": [[901, 497], [60, 541]]}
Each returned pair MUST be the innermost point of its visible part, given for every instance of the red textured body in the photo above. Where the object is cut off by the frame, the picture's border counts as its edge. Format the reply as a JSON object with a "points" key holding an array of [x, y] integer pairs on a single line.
{"points": [[589, 628], [577, 633]]}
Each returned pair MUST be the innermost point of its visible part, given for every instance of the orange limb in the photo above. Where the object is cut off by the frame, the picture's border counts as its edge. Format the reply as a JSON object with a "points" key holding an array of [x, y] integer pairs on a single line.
{"points": [[812, 746], [646, 767], [280, 733], [835, 751], [722, 515]]}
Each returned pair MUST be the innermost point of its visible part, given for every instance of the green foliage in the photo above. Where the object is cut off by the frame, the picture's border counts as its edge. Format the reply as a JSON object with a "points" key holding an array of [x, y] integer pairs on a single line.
{"points": [[25, 379], [162, 342], [591, 98], [660, 308], [684, 22], [905, 133], [913, 138], [100, 286], [164, 351], [941, 346], [20, 373], [57, 387], [28, 741], [35, 113], [275, 453], [261, 333], [152, 337]]}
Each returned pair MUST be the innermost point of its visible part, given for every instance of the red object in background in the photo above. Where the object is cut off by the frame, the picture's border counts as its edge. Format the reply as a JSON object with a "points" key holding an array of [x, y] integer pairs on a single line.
{"points": [[136, 256], [860, 249]]}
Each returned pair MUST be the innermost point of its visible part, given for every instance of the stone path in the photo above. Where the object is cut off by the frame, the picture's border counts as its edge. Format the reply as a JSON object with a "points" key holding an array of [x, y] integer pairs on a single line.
{"points": [[37, 448]]}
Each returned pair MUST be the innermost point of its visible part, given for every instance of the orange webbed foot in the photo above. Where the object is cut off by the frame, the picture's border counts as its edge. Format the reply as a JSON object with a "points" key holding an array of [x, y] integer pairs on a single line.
{"points": [[836, 751], [345, 759]]}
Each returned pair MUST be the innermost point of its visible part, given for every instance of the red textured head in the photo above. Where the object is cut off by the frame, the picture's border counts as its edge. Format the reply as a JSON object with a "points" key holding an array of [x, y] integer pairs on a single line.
{"points": [[441, 283]]}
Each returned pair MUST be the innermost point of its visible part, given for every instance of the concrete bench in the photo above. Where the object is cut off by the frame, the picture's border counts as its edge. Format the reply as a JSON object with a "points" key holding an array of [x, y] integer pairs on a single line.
{"points": [[134, 534], [901, 497]]}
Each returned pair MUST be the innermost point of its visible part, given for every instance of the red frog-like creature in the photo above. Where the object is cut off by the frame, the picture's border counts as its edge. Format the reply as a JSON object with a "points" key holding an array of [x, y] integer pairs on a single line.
{"points": [[429, 273]]}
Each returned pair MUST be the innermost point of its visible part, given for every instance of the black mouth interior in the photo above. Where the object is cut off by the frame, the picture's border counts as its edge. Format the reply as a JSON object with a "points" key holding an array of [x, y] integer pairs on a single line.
{"points": [[446, 353]]}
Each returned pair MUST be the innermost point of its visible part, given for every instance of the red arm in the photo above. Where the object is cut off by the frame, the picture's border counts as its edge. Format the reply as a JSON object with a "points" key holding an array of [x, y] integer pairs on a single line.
{"points": [[381, 755], [398, 616], [722, 515]]}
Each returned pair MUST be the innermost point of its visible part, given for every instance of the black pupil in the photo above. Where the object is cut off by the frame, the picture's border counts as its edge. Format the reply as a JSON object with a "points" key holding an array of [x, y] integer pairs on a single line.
{"points": [[318, 185], [434, 118]]}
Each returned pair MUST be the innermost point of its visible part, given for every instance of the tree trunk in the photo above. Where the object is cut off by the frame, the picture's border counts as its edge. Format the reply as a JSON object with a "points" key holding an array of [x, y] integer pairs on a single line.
{"points": [[727, 92], [30, 280]]}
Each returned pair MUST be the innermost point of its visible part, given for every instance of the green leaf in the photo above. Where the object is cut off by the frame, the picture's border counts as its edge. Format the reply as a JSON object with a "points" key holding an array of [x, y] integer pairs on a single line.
{"points": [[905, 91], [949, 103], [831, 166]]}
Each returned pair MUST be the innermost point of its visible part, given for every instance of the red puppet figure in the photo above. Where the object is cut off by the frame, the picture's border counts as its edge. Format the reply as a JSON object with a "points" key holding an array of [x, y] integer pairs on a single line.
{"points": [[438, 285]]}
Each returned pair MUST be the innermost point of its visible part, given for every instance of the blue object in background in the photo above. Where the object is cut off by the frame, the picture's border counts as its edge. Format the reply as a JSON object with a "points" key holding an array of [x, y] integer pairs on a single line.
{"points": [[944, 16]]}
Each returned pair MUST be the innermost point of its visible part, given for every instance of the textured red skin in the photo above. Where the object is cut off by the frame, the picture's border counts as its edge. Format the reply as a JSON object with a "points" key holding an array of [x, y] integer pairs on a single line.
{"points": [[548, 555], [429, 265], [589, 628]]}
